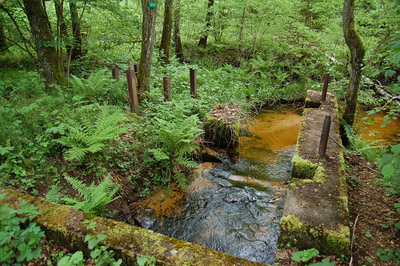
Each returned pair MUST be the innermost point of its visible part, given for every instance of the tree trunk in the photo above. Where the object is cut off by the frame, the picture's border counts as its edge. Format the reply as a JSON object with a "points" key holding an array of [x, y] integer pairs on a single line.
{"points": [[59, 7], [177, 32], [357, 52], [76, 52], [203, 39], [3, 40], [44, 41], [148, 37], [167, 30]]}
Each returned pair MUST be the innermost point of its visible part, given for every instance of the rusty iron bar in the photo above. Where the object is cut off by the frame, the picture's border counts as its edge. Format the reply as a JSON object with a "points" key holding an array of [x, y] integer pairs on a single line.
{"points": [[324, 136], [115, 73], [132, 90], [193, 83], [325, 88], [167, 88]]}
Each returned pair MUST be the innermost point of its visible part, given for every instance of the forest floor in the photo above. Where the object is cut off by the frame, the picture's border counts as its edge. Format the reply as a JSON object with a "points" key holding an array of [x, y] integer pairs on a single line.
{"points": [[372, 218]]}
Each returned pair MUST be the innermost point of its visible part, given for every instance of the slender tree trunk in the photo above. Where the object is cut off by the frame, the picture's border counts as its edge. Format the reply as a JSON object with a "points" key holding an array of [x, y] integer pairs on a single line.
{"points": [[177, 32], [3, 39], [44, 41], [167, 30], [203, 39], [59, 6], [76, 52], [357, 52], [148, 37]]}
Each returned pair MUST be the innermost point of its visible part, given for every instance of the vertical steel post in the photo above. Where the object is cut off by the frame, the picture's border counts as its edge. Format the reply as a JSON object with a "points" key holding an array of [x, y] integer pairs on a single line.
{"points": [[167, 88], [132, 90], [115, 73], [325, 88], [193, 83], [324, 136]]}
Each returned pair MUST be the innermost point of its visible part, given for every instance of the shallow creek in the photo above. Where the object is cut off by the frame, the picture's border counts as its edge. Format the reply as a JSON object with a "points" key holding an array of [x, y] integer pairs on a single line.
{"points": [[234, 206]]}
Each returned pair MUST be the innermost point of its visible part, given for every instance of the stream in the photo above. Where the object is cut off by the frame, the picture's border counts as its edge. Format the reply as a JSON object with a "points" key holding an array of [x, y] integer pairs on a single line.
{"points": [[234, 206]]}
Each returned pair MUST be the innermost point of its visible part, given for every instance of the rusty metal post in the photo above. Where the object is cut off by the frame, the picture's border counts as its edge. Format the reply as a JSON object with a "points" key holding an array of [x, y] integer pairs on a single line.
{"points": [[115, 73], [132, 90], [193, 83], [324, 136], [167, 88], [136, 68], [325, 88]]}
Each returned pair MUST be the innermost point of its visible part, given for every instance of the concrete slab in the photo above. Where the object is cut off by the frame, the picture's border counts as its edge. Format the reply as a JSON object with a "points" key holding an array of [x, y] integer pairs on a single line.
{"points": [[316, 212]]}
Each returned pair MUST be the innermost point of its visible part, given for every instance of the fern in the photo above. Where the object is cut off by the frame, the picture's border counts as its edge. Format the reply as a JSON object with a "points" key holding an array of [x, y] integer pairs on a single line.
{"points": [[93, 198], [98, 87], [177, 141], [86, 137], [371, 153]]}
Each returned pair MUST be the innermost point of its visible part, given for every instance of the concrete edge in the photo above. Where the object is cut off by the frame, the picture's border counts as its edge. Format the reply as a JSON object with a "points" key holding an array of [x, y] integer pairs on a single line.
{"points": [[64, 225]]}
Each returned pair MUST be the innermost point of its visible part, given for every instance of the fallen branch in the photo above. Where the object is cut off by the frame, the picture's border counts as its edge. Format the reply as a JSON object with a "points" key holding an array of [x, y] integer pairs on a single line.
{"points": [[352, 240], [378, 88]]}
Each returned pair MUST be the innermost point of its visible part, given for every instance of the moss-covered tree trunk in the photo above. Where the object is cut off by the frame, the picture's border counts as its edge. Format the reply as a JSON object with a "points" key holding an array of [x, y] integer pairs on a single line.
{"points": [[148, 38], [76, 52], [203, 39], [44, 41], [3, 39], [357, 51], [177, 32], [167, 31]]}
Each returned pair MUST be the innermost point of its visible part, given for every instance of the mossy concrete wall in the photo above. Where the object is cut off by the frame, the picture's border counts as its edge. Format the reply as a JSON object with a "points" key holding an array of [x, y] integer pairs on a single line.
{"points": [[65, 226], [316, 212]]}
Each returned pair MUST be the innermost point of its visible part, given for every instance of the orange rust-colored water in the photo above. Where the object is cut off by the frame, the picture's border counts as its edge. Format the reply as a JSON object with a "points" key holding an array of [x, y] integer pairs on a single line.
{"points": [[273, 131], [388, 135], [163, 202]]}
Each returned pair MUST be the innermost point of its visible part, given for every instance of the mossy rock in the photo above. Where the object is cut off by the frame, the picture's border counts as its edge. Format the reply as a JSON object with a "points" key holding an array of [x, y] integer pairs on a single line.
{"points": [[222, 125], [67, 227], [328, 241]]}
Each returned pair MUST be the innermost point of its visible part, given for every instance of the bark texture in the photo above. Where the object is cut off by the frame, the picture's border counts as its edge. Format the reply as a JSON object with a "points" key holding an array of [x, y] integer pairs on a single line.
{"points": [[76, 52], [148, 37], [203, 39], [167, 31], [357, 51], [177, 32], [44, 41]]}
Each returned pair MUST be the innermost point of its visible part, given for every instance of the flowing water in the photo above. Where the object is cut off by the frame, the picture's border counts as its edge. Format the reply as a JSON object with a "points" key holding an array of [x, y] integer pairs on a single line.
{"points": [[235, 206]]}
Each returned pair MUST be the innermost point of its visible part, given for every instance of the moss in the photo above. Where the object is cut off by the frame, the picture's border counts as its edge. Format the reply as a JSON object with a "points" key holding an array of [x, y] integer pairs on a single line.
{"points": [[221, 133], [302, 168], [297, 182], [292, 223], [320, 174], [338, 240]]}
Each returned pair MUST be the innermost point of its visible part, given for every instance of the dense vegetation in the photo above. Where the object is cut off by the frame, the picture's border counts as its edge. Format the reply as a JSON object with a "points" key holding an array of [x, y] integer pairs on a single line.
{"points": [[77, 129]]}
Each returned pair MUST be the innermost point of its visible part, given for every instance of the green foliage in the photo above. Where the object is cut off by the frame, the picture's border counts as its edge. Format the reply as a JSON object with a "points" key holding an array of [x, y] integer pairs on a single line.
{"points": [[388, 255], [99, 87], [175, 143], [390, 167], [19, 235], [99, 254], [144, 261], [86, 136], [324, 262], [93, 198], [370, 152], [305, 255]]}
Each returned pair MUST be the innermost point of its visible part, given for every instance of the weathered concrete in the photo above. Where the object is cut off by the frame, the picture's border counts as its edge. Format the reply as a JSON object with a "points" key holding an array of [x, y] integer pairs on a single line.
{"points": [[316, 212], [65, 226]]}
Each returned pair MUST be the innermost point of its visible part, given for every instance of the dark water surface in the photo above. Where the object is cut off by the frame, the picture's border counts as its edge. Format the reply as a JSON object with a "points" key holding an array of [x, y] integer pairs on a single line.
{"points": [[235, 207]]}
